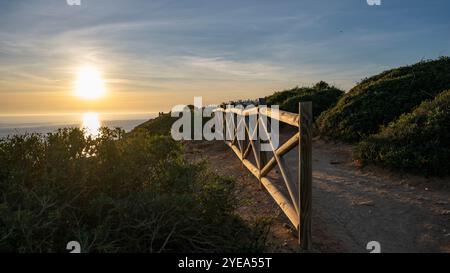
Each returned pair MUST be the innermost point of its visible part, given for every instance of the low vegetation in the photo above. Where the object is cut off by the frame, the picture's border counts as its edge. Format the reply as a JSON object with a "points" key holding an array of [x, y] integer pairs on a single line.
{"points": [[418, 141], [160, 125], [380, 99], [116, 193], [322, 95]]}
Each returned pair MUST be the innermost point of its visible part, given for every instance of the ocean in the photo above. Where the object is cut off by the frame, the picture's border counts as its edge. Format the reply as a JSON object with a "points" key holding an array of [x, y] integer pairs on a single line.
{"points": [[90, 121]]}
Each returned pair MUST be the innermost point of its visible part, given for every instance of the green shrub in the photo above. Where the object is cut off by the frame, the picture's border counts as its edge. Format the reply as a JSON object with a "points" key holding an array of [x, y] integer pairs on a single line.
{"points": [[160, 125], [378, 100], [116, 193], [322, 96], [418, 141]]}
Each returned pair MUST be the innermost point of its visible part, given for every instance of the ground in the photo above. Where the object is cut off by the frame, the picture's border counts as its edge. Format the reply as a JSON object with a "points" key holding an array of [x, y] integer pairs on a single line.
{"points": [[351, 205]]}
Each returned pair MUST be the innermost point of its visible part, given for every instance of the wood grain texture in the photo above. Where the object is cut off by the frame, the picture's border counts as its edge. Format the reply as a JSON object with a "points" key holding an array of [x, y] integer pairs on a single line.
{"points": [[283, 116], [305, 176], [282, 150]]}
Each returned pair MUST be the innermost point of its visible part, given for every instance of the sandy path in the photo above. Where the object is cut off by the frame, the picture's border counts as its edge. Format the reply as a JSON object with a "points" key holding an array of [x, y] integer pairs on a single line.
{"points": [[350, 206], [403, 213]]}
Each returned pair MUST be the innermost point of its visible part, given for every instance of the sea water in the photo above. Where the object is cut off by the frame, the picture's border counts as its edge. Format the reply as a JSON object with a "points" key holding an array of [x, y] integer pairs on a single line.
{"points": [[91, 122]]}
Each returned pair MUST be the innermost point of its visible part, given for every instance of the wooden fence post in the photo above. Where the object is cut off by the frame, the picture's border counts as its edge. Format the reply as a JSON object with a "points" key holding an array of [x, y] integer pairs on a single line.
{"points": [[263, 155], [262, 160], [224, 126], [305, 174]]}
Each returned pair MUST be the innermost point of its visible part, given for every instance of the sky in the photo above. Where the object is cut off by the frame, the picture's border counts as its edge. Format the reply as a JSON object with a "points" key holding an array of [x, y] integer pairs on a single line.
{"points": [[155, 54]]}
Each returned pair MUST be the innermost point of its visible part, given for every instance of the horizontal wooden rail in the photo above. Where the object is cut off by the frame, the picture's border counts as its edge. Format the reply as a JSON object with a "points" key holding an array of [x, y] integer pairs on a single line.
{"points": [[283, 116], [242, 112], [280, 115]]}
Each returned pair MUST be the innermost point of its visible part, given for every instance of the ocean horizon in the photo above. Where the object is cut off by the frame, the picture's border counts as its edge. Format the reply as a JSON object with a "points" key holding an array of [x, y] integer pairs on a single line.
{"points": [[90, 121]]}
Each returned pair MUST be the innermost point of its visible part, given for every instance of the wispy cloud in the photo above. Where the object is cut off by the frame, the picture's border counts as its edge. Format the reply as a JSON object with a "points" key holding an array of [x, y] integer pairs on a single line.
{"points": [[225, 68], [211, 48]]}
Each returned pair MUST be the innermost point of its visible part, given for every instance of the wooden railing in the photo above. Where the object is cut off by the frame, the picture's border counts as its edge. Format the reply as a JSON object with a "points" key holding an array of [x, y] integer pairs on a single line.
{"points": [[297, 205]]}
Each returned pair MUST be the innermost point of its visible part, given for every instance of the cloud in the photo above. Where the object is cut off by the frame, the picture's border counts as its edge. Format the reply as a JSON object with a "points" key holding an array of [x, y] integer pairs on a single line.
{"points": [[244, 70], [211, 47]]}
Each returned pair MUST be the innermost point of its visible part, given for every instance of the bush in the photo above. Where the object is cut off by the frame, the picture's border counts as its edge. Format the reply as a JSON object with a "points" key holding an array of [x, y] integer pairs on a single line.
{"points": [[418, 141], [322, 96], [117, 193], [380, 99], [160, 125]]}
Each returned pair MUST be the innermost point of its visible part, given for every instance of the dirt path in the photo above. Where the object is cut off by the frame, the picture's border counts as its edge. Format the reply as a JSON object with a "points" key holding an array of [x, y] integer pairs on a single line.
{"points": [[403, 213], [350, 206]]}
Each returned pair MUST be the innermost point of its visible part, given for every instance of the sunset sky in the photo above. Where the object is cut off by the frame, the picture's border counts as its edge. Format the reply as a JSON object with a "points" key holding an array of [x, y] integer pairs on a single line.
{"points": [[152, 55]]}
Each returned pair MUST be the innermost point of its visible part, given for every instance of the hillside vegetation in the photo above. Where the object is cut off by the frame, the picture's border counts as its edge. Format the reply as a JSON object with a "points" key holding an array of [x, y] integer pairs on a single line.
{"points": [[418, 141], [322, 95], [116, 193], [380, 99], [160, 125]]}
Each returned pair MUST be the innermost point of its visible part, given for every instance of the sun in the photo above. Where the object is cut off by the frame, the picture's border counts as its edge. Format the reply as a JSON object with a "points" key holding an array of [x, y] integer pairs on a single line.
{"points": [[89, 84]]}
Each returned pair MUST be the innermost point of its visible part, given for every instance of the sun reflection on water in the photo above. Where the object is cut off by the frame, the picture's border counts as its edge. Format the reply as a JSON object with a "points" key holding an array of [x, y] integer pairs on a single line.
{"points": [[91, 124]]}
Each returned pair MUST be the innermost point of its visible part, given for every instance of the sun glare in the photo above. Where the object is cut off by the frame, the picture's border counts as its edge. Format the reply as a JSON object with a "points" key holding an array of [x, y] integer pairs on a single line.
{"points": [[89, 84], [91, 124]]}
